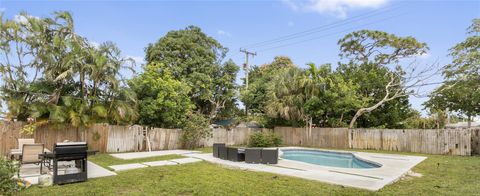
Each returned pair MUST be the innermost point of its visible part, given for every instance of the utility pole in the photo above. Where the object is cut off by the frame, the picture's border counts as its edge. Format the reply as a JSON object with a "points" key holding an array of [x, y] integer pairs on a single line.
{"points": [[245, 68], [245, 65]]}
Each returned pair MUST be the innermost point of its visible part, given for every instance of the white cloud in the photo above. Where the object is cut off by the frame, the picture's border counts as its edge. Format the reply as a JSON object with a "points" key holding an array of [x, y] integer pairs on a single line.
{"points": [[139, 60], [2, 9], [337, 8], [224, 33], [290, 24]]}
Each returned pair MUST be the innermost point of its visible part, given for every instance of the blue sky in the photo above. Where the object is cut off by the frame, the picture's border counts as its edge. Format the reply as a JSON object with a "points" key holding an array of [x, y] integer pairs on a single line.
{"points": [[235, 24]]}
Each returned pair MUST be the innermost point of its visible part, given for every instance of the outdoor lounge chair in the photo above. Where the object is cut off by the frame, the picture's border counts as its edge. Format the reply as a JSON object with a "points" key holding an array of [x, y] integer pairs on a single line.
{"points": [[30, 154], [253, 155], [215, 148], [222, 152], [22, 141], [270, 155], [235, 154]]}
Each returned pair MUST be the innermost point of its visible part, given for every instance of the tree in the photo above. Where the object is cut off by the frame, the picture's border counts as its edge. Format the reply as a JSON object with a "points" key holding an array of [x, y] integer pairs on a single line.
{"points": [[376, 50], [332, 97], [259, 78], [261, 81], [287, 96], [162, 100], [436, 120], [195, 128], [195, 59], [461, 90], [225, 91], [73, 82]]}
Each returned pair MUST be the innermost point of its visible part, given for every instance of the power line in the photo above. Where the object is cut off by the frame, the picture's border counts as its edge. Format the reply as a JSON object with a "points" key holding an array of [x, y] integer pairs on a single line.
{"points": [[330, 34], [324, 27], [231, 55]]}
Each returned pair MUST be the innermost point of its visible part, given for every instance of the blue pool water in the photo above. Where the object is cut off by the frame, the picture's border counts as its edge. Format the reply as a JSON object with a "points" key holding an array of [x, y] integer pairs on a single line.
{"points": [[332, 159]]}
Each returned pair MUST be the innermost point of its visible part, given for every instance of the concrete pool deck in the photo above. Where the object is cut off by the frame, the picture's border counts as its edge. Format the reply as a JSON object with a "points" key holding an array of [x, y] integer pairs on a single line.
{"points": [[138, 155], [393, 167]]}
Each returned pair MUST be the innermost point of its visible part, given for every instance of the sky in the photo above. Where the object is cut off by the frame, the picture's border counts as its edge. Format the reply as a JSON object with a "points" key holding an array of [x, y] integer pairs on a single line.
{"points": [[305, 31]]}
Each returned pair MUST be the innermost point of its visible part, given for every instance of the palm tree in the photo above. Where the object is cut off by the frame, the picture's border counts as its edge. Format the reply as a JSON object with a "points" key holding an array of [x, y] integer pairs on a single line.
{"points": [[74, 82]]}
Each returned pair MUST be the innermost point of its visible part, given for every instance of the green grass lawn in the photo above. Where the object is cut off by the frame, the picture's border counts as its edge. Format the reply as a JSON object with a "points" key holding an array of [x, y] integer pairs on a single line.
{"points": [[205, 150], [442, 175], [106, 160]]}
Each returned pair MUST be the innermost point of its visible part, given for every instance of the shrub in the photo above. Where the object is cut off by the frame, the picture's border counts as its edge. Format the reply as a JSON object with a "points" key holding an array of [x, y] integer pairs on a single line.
{"points": [[195, 128], [263, 139], [8, 169]]}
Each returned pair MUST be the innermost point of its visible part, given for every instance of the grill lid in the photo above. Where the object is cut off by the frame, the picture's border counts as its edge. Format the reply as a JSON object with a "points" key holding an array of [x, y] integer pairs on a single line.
{"points": [[71, 148], [70, 143]]}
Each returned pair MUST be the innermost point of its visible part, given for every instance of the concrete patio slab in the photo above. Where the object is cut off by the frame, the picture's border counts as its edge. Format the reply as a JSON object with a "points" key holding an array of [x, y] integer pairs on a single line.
{"points": [[159, 163], [31, 172], [124, 167], [96, 171], [138, 155], [393, 167], [154, 164], [186, 160]]}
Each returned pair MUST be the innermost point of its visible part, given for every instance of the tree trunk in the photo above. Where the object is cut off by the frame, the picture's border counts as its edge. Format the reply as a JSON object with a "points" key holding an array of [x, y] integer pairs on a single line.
{"points": [[82, 82], [310, 122], [469, 120], [341, 119], [362, 111], [354, 119]]}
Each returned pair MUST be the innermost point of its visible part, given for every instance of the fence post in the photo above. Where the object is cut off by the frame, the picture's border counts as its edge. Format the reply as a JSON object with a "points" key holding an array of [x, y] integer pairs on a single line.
{"points": [[350, 138]]}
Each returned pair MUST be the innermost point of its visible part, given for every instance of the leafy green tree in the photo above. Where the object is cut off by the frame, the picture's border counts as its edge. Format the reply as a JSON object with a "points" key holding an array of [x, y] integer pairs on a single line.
{"points": [[196, 60], [287, 96], [73, 82], [195, 128], [259, 79], [261, 82], [162, 100], [374, 64], [461, 90], [332, 98], [434, 121]]}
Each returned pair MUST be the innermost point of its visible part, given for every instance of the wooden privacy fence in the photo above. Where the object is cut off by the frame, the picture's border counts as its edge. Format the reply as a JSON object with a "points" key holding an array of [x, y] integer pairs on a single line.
{"points": [[112, 138], [430, 141], [475, 141], [318, 137]]}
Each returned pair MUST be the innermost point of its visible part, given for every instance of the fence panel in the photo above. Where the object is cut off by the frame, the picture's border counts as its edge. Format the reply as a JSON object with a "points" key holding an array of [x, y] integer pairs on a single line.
{"points": [[9, 134], [125, 138], [430, 141], [475, 142], [112, 138], [97, 137]]}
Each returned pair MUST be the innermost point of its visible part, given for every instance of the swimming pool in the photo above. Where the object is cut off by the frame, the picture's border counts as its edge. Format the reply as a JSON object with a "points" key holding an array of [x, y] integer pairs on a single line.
{"points": [[326, 158]]}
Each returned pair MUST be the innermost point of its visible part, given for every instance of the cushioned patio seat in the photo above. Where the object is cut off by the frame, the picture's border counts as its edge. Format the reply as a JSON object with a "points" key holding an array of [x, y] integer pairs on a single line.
{"points": [[270, 155], [222, 152], [253, 155], [234, 154], [215, 149]]}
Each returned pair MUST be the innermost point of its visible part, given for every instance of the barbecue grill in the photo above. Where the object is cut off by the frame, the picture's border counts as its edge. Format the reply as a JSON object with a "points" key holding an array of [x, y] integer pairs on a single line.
{"points": [[70, 151]]}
